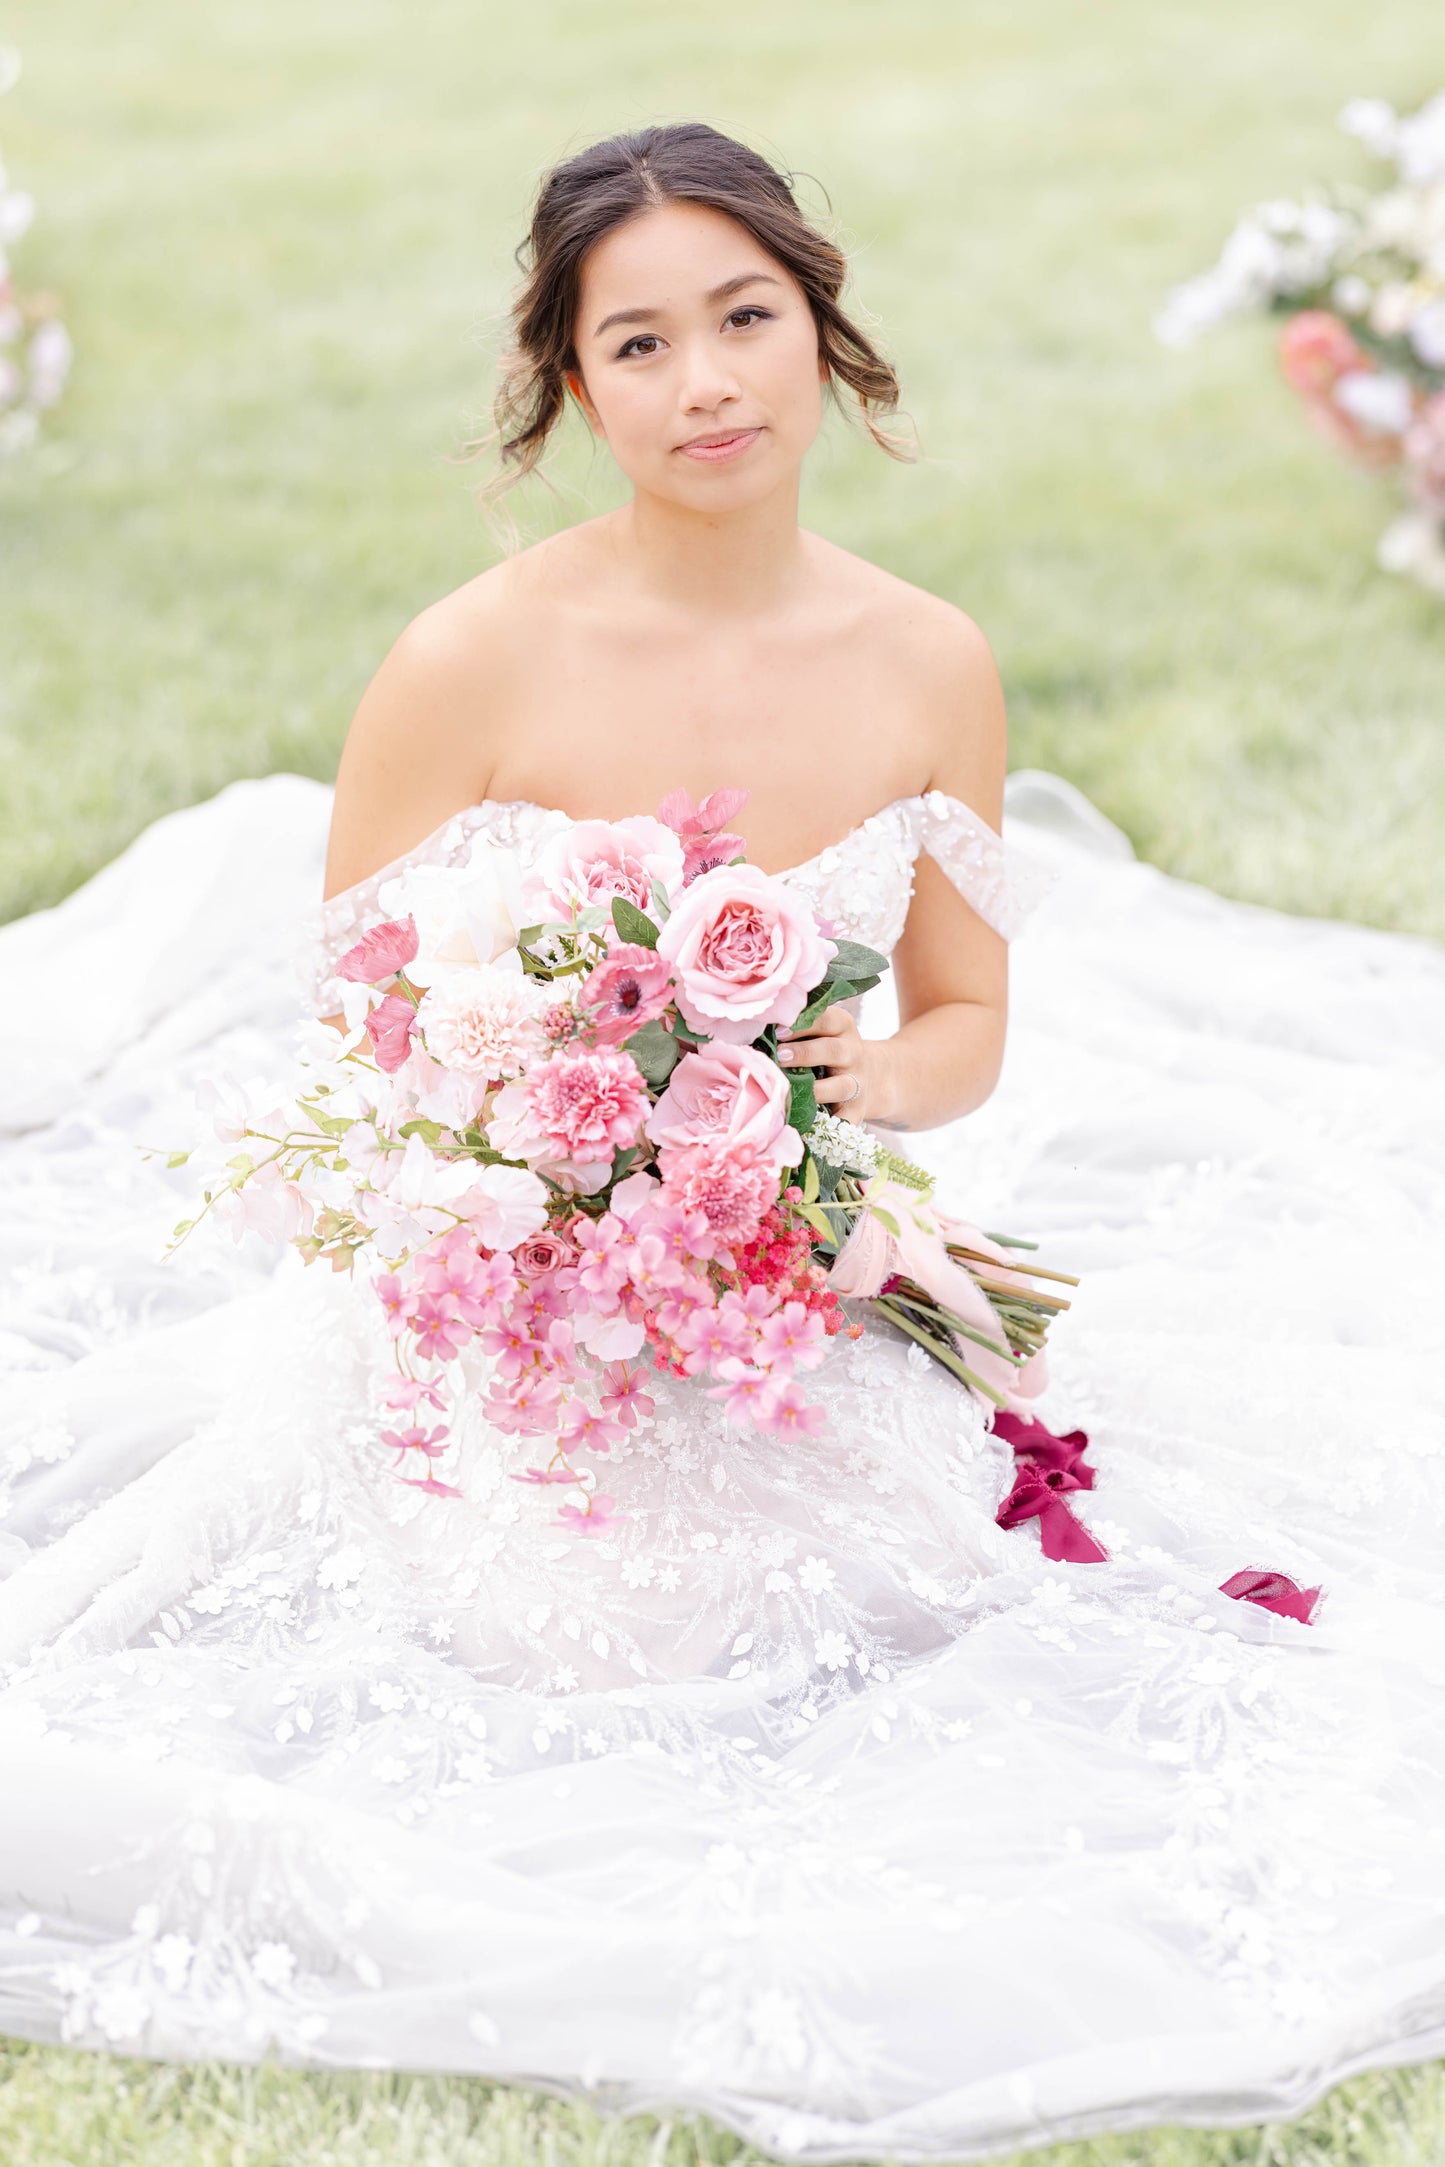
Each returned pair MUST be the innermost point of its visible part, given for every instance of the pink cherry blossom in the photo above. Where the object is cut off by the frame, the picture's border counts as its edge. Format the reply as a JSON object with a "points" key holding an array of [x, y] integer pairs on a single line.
{"points": [[381, 952], [745, 952], [391, 1026], [792, 1338], [743, 1390], [623, 1395], [598, 1517], [711, 1336], [603, 1251], [786, 1411], [395, 1300], [728, 1091], [409, 1392], [631, 987], [583, 1431], [428, 1442], [439, 1326]]}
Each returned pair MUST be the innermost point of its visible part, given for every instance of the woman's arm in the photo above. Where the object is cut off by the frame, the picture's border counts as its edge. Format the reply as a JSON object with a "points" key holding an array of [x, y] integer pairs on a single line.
{"points": [[950, 968]]}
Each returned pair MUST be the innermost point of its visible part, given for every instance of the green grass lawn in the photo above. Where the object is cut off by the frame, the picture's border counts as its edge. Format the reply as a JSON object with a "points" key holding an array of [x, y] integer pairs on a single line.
{"points": [[284, 234]]}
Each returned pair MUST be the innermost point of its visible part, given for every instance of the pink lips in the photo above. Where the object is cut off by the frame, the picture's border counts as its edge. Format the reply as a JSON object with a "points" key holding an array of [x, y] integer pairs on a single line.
{"points": [[715, 449]]}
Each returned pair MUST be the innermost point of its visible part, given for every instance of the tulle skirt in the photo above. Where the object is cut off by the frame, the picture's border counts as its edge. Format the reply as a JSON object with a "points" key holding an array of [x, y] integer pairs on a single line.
{"points": [[808, 1796]]}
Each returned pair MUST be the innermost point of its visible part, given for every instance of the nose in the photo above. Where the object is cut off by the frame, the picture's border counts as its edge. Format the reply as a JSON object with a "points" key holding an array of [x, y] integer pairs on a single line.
{"points": [[708, 382]]}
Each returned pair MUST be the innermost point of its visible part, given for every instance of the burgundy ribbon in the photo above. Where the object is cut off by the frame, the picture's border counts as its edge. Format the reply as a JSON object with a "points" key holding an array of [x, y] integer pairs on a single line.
{"points": [[1048, 1467], [1273, 1591]]}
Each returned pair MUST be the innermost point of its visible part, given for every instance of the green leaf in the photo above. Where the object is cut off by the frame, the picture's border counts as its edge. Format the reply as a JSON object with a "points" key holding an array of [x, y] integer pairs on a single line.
{"points": [[855, 961], [819, 1221], [803, 1110], [430, 1132], [685, 1034], [178, 1158], [527, 935], [810, 1178], [660, 903], [886, 1219], [832, 990], [622, 1160], [655, 1051], [632, 923], [866, 985]]}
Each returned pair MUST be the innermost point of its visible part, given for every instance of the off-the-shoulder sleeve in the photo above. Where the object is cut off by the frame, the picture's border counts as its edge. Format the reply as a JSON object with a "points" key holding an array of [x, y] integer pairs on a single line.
{"points": [[1001, 883], [337, 924]]}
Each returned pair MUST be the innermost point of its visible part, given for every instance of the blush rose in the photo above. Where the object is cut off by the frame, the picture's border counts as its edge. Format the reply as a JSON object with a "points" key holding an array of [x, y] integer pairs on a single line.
{"points": [[745, 952], [727, 1092]]}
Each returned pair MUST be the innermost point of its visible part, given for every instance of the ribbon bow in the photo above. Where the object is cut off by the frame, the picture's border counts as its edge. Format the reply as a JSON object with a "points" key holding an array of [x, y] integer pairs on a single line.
{"points": [[1273, 1591], [1048, 1468]]}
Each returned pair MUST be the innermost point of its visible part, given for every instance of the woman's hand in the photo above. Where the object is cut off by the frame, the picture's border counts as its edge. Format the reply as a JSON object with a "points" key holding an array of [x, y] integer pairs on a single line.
{"points": [[857, 1067]]}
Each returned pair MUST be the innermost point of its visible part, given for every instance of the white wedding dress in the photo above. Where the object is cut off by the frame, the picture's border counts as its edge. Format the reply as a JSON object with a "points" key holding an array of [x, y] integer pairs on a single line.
{"points": [[812, 1798]]}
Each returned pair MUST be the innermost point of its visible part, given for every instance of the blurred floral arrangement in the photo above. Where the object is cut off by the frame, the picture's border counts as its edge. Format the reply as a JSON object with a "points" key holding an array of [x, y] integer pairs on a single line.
{"points": [[35, 348], [1361, 275]]}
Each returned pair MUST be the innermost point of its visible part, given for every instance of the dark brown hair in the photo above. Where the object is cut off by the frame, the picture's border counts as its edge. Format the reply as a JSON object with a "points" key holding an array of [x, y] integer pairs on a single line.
{"points": [[587, 196]]}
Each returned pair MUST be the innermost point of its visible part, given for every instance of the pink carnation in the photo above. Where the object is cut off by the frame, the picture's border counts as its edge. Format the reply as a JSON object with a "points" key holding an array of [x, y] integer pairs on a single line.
{"points": [[745, 952], [731, 1184], [632, 987], [587, 1104]]}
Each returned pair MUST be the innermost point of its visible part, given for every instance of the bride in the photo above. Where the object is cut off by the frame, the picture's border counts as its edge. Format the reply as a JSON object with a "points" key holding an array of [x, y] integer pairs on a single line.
{"points": [[807, 1795]]}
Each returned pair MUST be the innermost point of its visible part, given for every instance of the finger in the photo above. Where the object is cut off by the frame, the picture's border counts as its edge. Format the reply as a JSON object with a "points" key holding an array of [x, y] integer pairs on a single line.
{"points": [[828, 1025], [816, 1052], [840, 1089]]}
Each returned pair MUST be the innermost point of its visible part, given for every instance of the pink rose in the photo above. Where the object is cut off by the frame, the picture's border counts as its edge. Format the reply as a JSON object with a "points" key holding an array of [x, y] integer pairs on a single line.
{"points": [[729, 1092], [594, 860], [543, 1254], [745, 952]]}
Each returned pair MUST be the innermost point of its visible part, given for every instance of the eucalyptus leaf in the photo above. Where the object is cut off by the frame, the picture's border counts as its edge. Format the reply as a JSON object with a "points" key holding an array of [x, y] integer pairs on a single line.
{"points": [[655, 1051], [632, 923], [855, 961]]}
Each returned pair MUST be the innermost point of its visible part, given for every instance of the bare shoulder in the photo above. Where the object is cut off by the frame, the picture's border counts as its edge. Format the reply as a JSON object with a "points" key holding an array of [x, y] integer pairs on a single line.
{"points": [[941, 661], [422, 743]]}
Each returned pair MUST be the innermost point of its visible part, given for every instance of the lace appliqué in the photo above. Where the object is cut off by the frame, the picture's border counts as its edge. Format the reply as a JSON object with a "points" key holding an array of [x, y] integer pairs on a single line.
{"points": [[989, 874]]}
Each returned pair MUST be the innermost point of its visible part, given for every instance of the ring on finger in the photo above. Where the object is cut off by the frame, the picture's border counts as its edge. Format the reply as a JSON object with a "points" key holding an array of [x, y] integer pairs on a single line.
{"points": [[857, 1083]]}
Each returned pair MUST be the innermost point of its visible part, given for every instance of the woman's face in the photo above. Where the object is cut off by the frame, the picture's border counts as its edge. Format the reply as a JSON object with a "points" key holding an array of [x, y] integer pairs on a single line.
{"points": [[699, 358]]}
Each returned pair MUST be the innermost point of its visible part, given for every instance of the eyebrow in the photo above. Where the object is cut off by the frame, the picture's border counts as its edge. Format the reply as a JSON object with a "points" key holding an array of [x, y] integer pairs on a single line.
{"points": [[719, 293]]}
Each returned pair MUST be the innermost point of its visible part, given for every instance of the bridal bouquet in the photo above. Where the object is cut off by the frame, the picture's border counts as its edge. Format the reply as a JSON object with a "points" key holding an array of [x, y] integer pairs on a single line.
{"points": [[1361, 276], [557, 1134]]}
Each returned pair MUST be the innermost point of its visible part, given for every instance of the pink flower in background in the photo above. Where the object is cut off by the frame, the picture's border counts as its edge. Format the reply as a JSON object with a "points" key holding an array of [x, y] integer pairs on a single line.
{"points": [[593, 860], [786, 1411], [391, 1026], [582, 1430], [440, 1328], [631, 988], [1349, 400], [385, 949], [396, 1301], [409, 1392], [699, 829], [428, 1442], [732, 1185], [1425, 453], [1316, 349], [745, 953], [727, 1091], [587, 1105]]}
